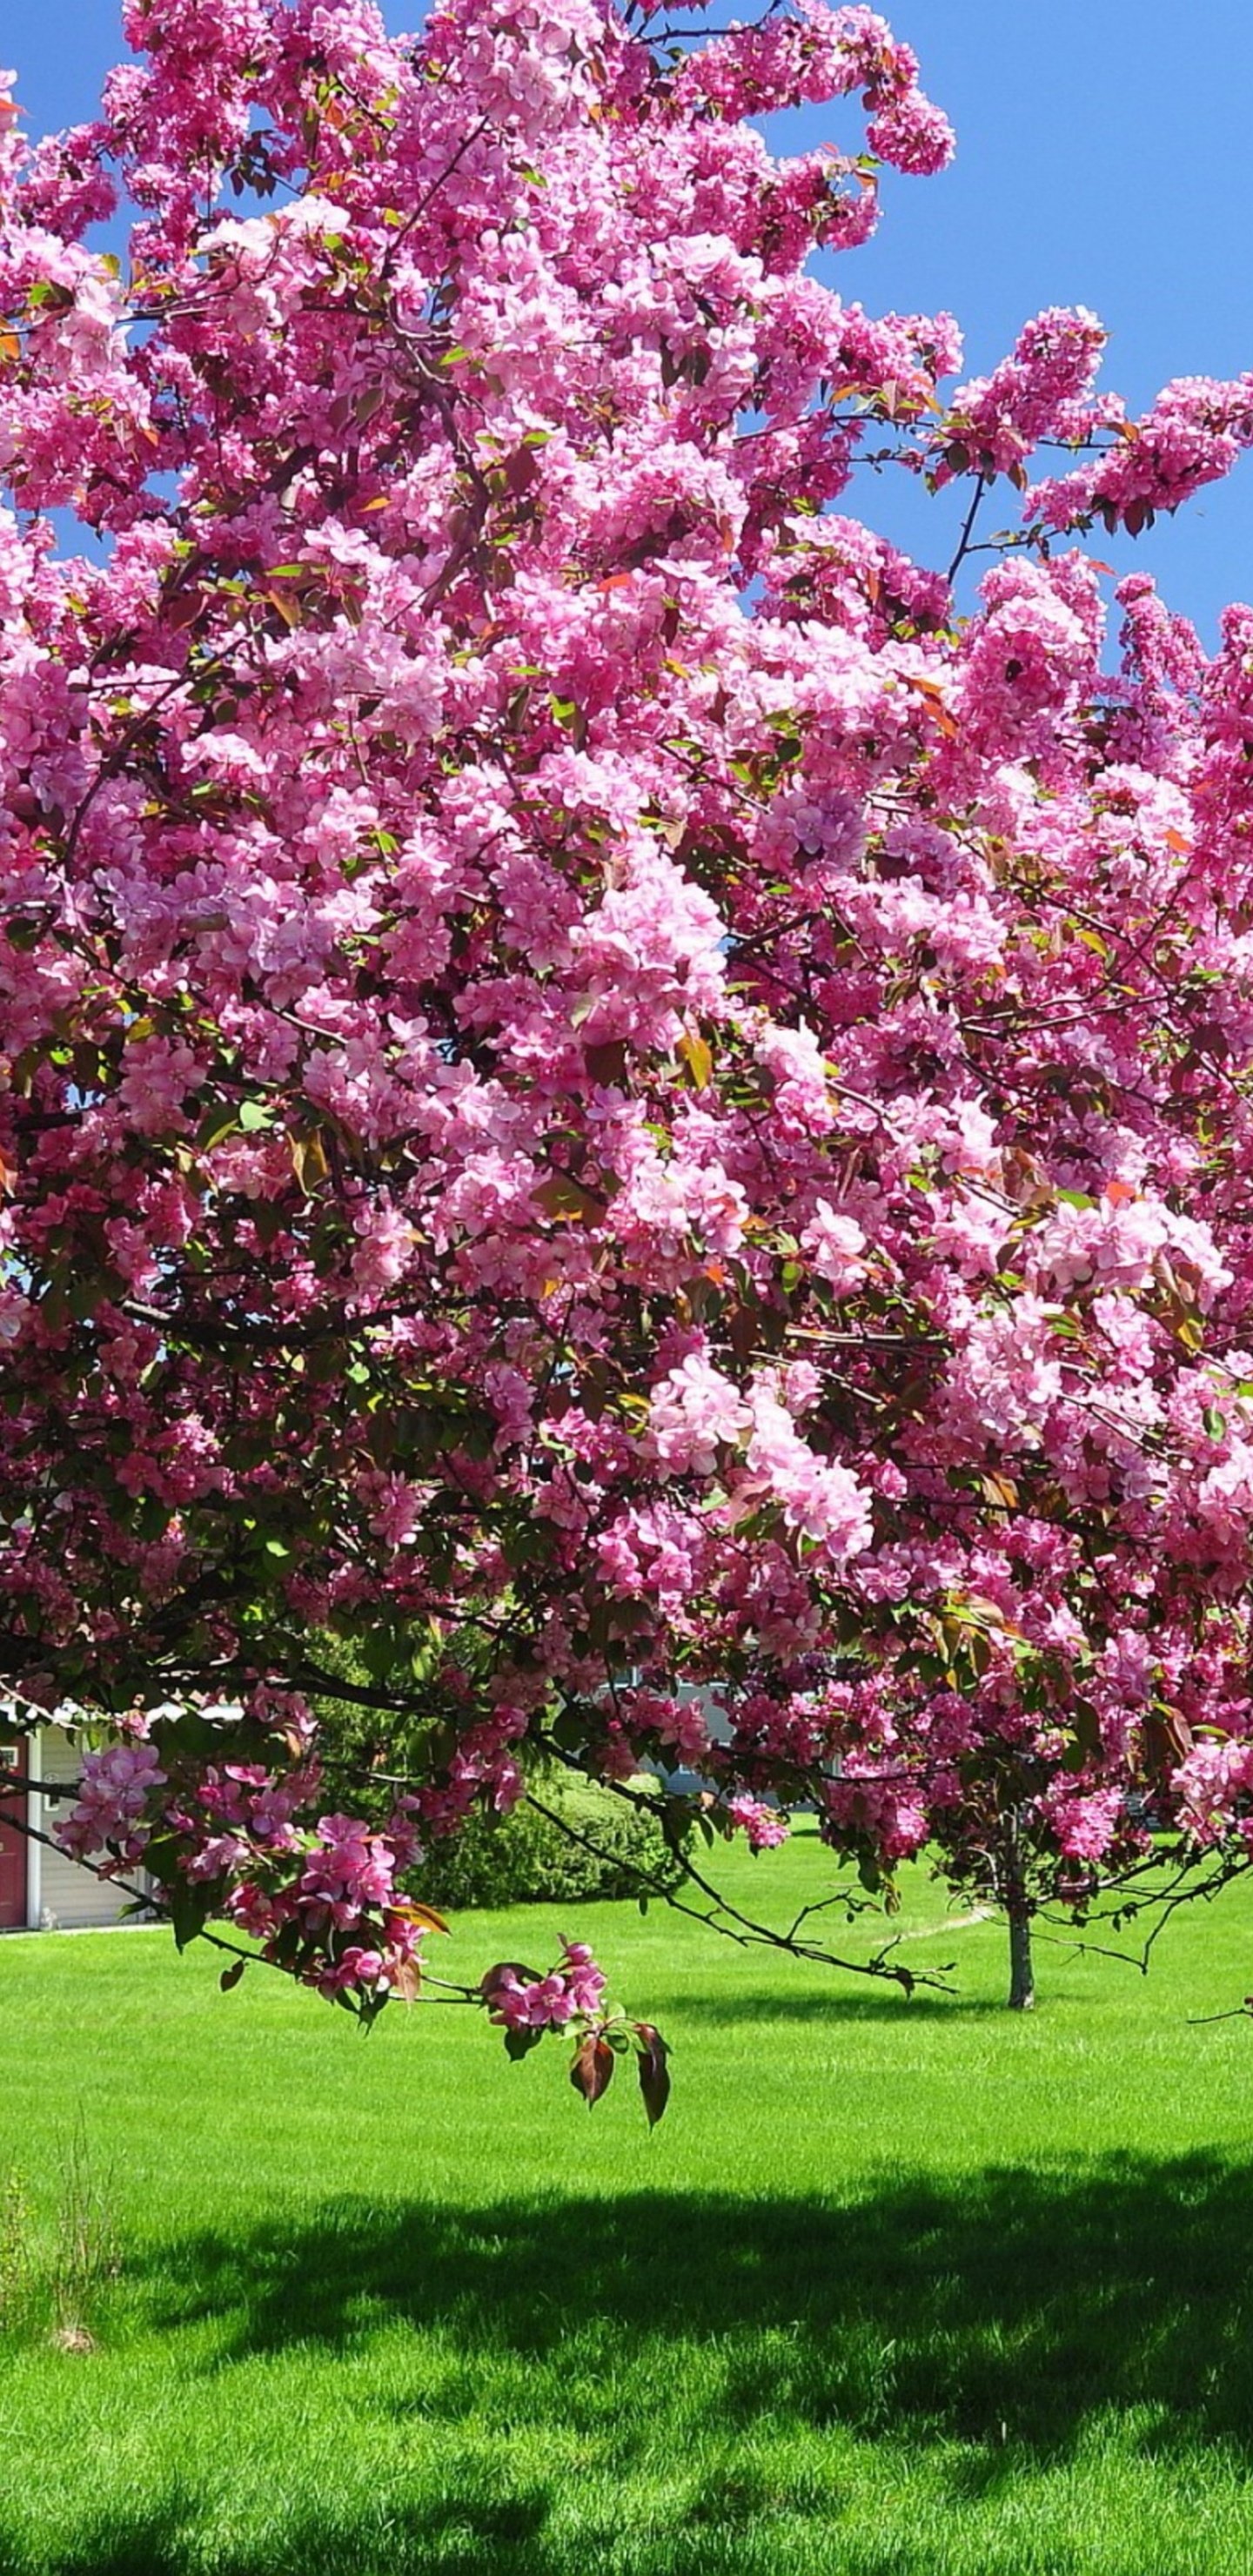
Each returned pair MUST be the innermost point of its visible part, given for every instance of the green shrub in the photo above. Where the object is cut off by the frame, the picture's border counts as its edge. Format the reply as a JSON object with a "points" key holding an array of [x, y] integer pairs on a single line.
{"points": [[609, 1848], [526, 1858]]}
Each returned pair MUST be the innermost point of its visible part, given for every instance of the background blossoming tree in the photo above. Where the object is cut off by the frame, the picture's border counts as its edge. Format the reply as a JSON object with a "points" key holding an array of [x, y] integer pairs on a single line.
{"points": [[604, 1101]]}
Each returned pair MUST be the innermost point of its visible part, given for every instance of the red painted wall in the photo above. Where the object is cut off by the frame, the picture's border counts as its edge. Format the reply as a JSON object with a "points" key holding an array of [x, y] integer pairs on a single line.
{"points": [[13, 1845]]}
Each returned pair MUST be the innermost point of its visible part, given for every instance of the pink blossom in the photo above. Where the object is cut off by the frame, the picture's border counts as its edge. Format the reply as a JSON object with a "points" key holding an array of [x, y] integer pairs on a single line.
{"points": [[764, 1826], [1085, 1826], [1041, 389], [836, 1246], [115, 1789], [694, 1410], [820, 1497]]}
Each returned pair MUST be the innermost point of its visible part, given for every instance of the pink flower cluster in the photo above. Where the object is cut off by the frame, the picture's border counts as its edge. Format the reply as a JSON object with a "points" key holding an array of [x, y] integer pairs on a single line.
{"points": [[819, 1497], [695, 1410], [1195, 432], [818, 54], [1041, 391], [347, 1870], [764, 1826], [520, 2001], [110, 1815]]}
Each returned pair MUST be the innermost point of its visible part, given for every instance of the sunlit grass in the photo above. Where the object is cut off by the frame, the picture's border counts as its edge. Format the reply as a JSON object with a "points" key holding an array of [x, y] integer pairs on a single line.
{"points": [[897, 2289]]}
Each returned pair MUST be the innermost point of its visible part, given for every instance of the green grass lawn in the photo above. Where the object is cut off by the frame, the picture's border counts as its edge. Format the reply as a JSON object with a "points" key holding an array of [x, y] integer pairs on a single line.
{"points": [[897, 2289]]}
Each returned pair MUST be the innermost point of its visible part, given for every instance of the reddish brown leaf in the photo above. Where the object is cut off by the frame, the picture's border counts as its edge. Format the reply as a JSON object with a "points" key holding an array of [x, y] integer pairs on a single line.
{"points": [[231, 1976], [933, 696], [607, 1060], [184, 606], [521, 470], [592, 2068], [654, 2070]]}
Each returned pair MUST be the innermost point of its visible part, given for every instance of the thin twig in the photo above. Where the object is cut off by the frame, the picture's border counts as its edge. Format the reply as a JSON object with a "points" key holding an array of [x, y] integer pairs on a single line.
{"points": [[963, 546]]}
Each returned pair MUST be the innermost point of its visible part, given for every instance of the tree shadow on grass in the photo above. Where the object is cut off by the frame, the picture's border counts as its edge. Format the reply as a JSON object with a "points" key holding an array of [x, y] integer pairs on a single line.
{"points": [[455, 2536], [1007, 2307], [883, 2004], [988, 2322], [147, 2544]]}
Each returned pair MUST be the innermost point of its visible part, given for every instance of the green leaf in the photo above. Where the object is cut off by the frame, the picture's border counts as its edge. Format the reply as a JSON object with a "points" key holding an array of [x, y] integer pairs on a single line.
{"points": [[188, 1907]]}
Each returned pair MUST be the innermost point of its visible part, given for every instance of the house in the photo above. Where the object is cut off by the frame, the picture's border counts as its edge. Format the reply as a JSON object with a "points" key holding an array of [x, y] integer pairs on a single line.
{"points": [[42, 1889]]}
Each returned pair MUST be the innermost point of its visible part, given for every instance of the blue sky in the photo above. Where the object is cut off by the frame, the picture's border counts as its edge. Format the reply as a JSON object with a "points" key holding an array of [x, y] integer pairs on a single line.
{"points": [[1103, 159]]}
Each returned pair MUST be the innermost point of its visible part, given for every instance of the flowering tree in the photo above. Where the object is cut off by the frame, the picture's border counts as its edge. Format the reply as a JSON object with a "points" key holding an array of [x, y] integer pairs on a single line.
{"points": [[605, 1102]]}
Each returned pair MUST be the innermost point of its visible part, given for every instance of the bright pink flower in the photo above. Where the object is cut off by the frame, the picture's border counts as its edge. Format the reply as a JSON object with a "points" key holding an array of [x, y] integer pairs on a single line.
{"points": [[764, 1826], [694, 1411]]}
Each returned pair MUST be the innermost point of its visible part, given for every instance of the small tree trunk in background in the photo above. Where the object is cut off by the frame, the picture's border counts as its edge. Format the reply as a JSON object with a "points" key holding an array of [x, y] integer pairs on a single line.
{"points": [[1021, 1975], [1018, 1911]]}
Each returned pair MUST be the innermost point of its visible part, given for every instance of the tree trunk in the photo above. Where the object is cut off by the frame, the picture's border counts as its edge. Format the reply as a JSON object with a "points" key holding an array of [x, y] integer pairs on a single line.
{"points": [[1021, 1976], [1018, 1910]]}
